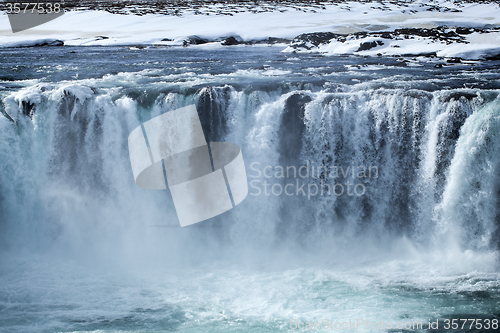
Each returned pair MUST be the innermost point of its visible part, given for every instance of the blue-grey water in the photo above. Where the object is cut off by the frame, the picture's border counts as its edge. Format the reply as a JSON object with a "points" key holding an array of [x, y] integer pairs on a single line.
{"points": [[83, 249]]}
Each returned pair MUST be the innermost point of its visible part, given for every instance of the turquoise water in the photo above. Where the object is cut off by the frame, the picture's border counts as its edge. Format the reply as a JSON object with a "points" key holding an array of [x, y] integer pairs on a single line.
{"points": [[83, 249]]}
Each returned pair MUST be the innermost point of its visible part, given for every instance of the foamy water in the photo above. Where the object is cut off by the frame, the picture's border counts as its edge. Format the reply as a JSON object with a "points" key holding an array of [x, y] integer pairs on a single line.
{"points": [[86, 250]]}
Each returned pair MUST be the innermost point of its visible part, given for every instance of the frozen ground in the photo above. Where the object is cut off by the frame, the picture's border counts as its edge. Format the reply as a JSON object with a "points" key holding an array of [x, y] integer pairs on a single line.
{"points": [[354, 27]]}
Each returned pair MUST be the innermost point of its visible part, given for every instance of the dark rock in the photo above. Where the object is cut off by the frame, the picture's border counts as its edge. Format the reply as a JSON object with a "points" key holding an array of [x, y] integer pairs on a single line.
{"points": [[369, 45], [423, 54], [417, 31], [212, 107], [464, 31], [55, 43], [28, 108], [454, 60], [167, 40], [292, 127], [195, 40], [438, 33], [230, 41], [315, 38], [101, 37], [438, 65], [276, 40], [495, 57], [273, 40]]}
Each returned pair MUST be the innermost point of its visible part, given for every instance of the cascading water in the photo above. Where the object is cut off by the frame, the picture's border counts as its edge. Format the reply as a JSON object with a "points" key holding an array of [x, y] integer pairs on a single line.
{"points": [[433, 157], [431, 182]]}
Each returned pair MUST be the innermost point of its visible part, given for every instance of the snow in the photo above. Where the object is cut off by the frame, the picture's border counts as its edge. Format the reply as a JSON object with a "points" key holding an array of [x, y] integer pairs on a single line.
{"points": [[477, 46], [81, 28], [30, 95], [81, 93]]}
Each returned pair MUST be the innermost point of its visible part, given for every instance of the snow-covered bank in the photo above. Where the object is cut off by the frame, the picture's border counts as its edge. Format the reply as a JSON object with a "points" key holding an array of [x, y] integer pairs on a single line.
{"points": [[465, 43], [352, 24]]}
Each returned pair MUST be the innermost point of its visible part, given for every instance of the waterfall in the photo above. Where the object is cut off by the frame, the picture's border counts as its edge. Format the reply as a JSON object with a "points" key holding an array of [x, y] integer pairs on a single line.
{"points": [[434, 159]]}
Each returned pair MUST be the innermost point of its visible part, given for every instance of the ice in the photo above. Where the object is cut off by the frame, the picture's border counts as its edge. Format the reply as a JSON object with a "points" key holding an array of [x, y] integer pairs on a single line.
{"points": [[89, 27]]}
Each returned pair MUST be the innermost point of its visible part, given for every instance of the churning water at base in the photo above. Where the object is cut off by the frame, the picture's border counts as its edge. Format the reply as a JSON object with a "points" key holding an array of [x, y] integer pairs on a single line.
{"points": [[374, 193]]}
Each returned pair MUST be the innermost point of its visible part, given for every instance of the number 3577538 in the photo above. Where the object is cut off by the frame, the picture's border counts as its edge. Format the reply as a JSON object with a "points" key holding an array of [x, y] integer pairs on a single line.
{"points": [[33, 8]]}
